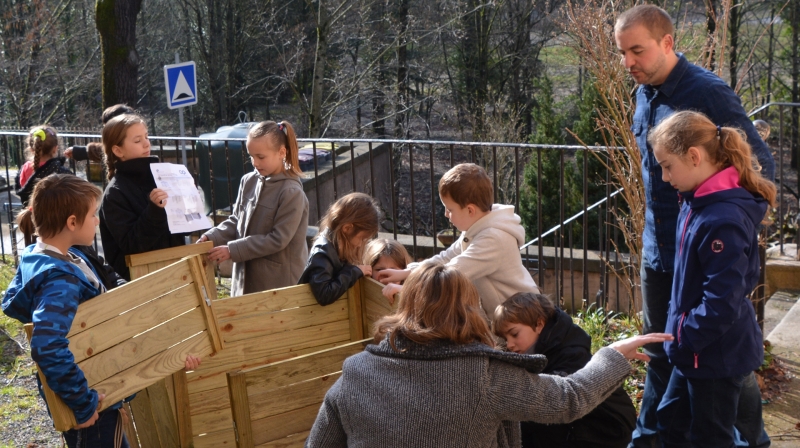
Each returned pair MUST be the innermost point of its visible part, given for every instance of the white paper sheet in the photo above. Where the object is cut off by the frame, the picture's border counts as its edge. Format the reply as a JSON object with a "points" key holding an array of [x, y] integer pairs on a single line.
{"points": [[185, 210]]}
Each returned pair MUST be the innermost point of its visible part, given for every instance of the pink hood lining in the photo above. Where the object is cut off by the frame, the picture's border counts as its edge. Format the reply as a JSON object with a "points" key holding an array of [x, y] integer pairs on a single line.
{"points": [[726, 179]]}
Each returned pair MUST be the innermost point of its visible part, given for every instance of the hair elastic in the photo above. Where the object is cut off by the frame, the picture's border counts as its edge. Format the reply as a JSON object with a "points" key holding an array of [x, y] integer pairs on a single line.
{"points": [[719, 131], [39, 133], [282, 127]]}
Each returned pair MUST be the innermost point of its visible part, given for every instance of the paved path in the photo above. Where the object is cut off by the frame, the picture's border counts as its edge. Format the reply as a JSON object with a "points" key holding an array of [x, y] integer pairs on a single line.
{"points": [[782, 416]]}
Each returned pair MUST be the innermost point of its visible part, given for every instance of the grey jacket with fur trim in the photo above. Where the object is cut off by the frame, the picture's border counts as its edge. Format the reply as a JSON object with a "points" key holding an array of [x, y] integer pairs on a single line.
{"points": [[448, 395]]}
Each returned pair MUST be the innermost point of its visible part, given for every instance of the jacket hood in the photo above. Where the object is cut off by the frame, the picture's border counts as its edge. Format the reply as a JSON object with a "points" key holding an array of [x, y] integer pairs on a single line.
{"points": [[502, 217], [724, 187], [18, 300], [444, 349], [280, 177], [565, 345]]}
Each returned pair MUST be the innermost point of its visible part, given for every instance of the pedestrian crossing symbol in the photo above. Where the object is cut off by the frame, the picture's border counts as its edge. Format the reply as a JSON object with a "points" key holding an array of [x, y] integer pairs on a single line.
{"points": [[181, 84]]}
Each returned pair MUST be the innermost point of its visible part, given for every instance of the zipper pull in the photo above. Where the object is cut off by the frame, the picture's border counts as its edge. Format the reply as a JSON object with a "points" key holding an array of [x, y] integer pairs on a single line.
{"points": [[695, 360]]}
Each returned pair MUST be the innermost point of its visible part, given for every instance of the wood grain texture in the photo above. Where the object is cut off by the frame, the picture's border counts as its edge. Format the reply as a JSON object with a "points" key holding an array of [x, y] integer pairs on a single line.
{"points": [[180, 389], [162, 414], [169, 254], [255, 325], [294, 441], [279, 426], [240, 409], [144, 420]]}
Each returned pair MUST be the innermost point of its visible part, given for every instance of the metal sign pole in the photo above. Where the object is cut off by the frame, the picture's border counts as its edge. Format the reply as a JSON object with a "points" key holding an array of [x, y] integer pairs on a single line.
{"points": [[180, 117]]}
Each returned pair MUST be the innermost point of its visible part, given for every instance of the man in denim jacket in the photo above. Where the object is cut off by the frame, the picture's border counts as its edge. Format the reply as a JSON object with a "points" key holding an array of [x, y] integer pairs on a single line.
{"points": [[669, 83]]}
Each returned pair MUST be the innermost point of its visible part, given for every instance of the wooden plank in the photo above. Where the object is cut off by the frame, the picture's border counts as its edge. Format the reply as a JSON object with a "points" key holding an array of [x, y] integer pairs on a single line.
{"points": [[63, 417], [172, 253], [144, 421], [153, 369], [301, 368], [129, 296], [289, 398], [138, 271], [283, 425], [217, 439], [136, 350], [180, 389], [128, 426], [252, 350], [261, 324], [354, 314], [162, 414], [219, 420], [266, 301], [128, 325], [205, 292], [293, 441], [240, 409]]}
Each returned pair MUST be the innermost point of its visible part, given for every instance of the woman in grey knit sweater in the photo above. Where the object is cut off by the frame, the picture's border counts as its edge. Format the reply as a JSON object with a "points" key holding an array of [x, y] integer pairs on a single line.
{"points": [[433, 378]]}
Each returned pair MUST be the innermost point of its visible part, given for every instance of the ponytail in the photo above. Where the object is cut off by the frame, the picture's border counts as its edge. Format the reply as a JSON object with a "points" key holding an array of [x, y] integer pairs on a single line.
{"points": [[26, 225], [282, 134], [725, 146], [735, 151]]}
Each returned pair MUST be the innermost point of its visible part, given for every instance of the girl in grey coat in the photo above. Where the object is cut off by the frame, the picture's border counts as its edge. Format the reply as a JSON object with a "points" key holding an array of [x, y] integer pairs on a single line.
{"points": [[265, 235], [434, 379]]}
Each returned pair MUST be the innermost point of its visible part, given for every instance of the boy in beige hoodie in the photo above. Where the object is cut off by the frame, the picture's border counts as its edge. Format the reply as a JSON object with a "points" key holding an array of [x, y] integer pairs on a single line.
{"points": [[487, 252]]}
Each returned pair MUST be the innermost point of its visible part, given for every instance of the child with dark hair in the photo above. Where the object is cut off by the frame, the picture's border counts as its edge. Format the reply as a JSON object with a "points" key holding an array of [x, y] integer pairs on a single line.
{"points": [[44, 160], [531, 324]]}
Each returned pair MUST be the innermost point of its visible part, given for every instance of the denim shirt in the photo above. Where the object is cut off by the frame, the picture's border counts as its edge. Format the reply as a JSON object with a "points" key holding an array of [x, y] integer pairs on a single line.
{"points": [[688, 87]]}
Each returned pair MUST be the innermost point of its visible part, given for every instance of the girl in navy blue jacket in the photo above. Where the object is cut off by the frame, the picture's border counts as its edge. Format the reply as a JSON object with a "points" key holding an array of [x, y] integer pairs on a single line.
{"points": [[718, 342]]}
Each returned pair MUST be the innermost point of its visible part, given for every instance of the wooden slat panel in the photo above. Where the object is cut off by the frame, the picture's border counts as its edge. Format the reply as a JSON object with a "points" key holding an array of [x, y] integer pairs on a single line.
{"points": [[172, 253], [237, 388], [125, 326], [301, 368], [218, 439], [293, 441], [354, 314], [282, 425], [183, 416], [153, 369], [262, 324], [131, 295], [261, 302], [144, 420], [135, 350], [209, 422], [292, 397], [162, 414]]}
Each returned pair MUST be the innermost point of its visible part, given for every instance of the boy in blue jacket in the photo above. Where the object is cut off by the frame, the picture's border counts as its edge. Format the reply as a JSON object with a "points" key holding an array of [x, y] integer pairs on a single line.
{"points": [[50, 283], [718, 342]]}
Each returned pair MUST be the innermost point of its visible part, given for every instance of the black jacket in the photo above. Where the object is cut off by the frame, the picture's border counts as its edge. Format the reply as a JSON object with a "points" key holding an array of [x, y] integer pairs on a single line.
{"points": [[129, 222], [328, 276], [568, 348], [52, 166]]}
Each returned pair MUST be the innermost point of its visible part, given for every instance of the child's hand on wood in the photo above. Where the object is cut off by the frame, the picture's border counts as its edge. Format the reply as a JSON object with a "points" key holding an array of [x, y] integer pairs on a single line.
{"points": [[366, 269], [158, 197], [390, 290], [202, 239], [94, 417], [192, 362], [219, 254], [387, 276]]}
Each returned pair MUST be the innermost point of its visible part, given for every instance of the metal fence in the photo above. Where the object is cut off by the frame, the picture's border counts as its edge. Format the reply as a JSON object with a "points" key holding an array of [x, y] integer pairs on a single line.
{"points": [[571, 246]]}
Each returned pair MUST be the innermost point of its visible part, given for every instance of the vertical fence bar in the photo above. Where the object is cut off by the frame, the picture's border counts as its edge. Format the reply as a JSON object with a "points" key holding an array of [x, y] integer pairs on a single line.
{"points": [[571, 270], [516, 180], [780, 161], [540, 261], [494, 172], [160, 150], [316, 180], [211, 176], [333, 170], [433, 198], [585, 219], [413, 200], [451, 155], [228, 173], [606, 224], [372, 189], [616, 254], [11, 233], [352, 165], [391, 184], [560, 233]]}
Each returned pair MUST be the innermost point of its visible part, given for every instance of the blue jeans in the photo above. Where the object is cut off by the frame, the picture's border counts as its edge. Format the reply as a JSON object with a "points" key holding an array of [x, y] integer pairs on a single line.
{"points": [[703, 408], [656, 294], [99, 435]]}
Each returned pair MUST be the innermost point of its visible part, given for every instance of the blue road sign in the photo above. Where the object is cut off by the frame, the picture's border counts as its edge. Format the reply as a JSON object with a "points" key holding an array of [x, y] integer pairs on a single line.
{"points": [[181, 84]]}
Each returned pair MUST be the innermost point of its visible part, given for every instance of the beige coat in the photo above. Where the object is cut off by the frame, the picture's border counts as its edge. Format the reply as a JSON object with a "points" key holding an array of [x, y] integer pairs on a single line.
{"points": [[266, 233]]}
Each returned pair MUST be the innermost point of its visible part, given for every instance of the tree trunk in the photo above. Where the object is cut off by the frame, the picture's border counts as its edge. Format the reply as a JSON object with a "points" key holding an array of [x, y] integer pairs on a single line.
{"points": [[320, 59], [795, 76], [116, 24], [400, 17], [734, 23]]}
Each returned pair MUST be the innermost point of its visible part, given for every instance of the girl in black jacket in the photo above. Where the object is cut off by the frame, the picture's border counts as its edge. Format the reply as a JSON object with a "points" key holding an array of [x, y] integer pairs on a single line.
{"points": [[531, 324], [132, 215], [332, 266]]}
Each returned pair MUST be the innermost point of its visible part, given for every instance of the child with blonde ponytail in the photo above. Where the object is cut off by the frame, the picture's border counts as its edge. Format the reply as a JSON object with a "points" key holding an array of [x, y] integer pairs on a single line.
{"points": [[265, 235], [718, 342], [42, 151]]}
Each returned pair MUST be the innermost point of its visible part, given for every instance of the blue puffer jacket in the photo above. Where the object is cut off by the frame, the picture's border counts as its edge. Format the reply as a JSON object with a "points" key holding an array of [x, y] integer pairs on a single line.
{"points": [[47, 291], [716, 268]]}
